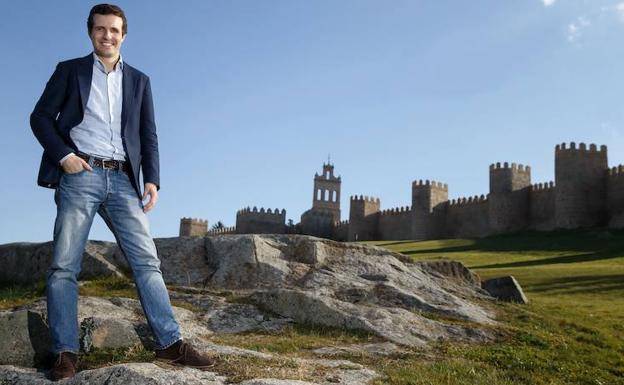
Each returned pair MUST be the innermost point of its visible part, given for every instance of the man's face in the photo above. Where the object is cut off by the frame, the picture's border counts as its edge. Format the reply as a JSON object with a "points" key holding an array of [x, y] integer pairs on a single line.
{"points": [[106, 35]]}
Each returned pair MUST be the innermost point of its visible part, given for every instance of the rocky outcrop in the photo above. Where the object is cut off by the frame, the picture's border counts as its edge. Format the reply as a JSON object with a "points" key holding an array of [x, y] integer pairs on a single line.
{"points": [[25, 339], [107, 333], [348, 285], [314, 280], [25, 262], [247, 283], [148, 373], [126, 374]]}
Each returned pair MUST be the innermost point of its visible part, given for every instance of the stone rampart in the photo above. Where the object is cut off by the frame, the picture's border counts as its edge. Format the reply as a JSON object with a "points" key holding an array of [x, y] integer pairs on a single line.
{"points": [[341, 231], [542, 198], [222, 231], [254, 221], [395, 223], [585, 193], [467, 217], [615, 195]]}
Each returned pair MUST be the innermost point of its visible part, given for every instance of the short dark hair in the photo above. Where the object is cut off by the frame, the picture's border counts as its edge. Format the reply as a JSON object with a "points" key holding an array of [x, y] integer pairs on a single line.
{"points": [[107, 9]]}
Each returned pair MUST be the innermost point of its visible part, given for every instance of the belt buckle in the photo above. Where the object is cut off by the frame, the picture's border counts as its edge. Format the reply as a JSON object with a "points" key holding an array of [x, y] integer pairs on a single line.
{"points": [[111, 164]]}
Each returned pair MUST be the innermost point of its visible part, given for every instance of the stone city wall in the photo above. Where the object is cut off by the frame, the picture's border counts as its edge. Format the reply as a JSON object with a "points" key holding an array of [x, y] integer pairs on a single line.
{"points": [[542, 198], [615, 194], [254, 221], [395, 223], [467, 217]]}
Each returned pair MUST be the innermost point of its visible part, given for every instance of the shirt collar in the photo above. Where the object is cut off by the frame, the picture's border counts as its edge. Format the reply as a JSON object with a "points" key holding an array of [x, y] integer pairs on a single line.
{"points": [[118, 66]]}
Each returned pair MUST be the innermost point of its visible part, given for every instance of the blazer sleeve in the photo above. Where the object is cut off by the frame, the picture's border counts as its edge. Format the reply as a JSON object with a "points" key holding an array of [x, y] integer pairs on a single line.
{"points": [[43, 117], [150, 162]]}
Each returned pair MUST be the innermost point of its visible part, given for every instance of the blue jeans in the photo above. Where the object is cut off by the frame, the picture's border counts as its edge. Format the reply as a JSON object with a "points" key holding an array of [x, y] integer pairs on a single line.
{"points": [[109, 193]]}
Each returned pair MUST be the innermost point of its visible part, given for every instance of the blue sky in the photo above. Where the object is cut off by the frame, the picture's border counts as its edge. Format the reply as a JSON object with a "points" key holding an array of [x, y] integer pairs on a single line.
{"points": [[252, 96]]}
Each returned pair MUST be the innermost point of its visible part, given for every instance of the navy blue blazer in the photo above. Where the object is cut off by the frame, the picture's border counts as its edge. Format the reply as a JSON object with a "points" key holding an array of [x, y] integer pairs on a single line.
{"points": [[61, 107]]}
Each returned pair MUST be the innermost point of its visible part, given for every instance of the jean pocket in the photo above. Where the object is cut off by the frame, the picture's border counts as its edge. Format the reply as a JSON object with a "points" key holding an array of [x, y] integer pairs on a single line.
{"points": [[75, 173]]}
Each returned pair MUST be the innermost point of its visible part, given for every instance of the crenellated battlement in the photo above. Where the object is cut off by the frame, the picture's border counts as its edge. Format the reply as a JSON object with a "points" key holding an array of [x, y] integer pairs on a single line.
{"points": [[260, 221], [429, 184], [255, 211], [512, 167], [194, 220], [477, 199], [193, 227], [616, 172], [222, 231], [539, 187], [585, 193], [582, 147], [396, 211], [507, 177], [364, 198]]}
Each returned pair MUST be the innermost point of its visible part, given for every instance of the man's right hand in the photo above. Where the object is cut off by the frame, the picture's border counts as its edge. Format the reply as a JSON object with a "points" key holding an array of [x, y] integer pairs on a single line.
{"points": [[74, 164]]}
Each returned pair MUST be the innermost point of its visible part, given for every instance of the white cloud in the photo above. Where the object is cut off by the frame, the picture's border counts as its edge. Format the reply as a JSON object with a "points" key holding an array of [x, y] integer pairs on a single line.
{"points": [[548, 3], [575, 29], [619, 9], [573, 32], [583, 21]]}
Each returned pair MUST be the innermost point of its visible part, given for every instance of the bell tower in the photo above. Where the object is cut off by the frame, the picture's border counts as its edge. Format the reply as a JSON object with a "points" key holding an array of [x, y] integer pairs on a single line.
{"points": [[326, 195]]}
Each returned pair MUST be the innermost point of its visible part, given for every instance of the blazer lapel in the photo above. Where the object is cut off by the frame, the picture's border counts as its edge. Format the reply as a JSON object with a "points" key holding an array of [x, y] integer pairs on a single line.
{"points": [[128, 87], [85, 74]]}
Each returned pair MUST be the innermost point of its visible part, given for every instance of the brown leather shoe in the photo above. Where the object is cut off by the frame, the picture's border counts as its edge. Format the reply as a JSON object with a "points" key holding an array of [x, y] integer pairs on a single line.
{"points": [[64, 366], [183, 354]]}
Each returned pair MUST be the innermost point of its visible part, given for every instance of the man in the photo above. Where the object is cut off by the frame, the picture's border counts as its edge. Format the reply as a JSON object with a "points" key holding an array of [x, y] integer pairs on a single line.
{"points": [[95, 121]]}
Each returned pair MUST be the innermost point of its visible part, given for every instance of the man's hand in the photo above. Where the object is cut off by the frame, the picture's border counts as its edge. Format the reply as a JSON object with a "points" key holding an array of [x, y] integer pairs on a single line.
{"points": [[150, 189], [74, 164]]}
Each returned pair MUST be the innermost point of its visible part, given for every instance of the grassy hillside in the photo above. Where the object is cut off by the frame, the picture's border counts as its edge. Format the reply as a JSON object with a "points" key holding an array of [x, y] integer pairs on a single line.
{"points": [[572, 332]]}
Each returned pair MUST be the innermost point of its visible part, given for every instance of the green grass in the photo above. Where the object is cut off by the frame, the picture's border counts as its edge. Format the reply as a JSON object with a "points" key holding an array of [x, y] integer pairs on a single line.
{"points": [[572, 331], [17, 295], [109, 287], [295, 338], [104, 357]]}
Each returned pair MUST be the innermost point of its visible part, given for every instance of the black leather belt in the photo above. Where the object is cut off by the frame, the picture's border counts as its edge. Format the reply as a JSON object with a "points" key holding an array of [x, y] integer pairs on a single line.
{"points": [[105, 163]]}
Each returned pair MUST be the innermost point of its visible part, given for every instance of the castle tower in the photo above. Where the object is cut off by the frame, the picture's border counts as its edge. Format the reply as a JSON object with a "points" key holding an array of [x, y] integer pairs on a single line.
{"points": [[615, 196], [327, 192], [580, 185], [508, 202], [363, 218], [428, 200], [190, 227]]}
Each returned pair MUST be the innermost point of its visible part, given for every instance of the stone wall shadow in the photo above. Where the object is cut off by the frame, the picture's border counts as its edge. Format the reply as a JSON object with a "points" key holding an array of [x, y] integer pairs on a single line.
{"points": [[573, 258], [562, 240], [580, 284]]}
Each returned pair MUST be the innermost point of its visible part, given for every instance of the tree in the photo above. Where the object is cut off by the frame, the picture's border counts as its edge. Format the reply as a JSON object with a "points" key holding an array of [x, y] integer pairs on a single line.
{"points": [[217, 226]]}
